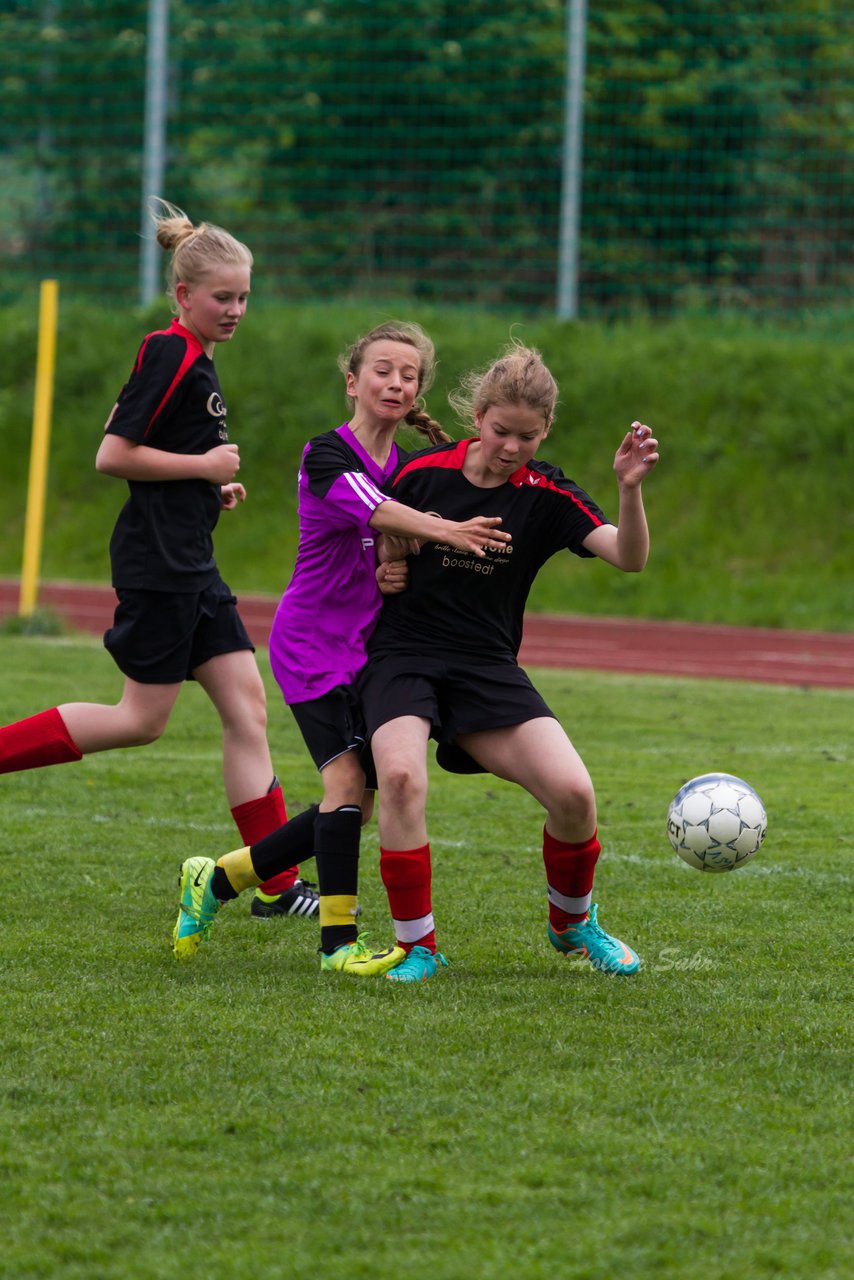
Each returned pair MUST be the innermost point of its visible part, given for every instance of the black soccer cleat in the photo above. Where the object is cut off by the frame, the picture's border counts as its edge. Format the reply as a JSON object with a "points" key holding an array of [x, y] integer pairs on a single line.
{"points": [[302, 899]]}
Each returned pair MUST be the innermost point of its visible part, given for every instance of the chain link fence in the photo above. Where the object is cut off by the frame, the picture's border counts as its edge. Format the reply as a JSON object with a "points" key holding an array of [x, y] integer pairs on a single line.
{"points": [[368, 149]]}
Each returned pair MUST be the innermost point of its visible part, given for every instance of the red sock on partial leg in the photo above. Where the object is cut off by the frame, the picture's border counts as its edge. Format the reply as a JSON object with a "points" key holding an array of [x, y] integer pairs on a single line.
{"points": [[40, 740], [258, 818], [407, 875], [569, 872]]}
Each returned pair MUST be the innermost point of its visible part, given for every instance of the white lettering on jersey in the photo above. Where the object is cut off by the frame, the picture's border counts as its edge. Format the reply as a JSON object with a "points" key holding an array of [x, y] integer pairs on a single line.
{"points": [[367, 543], [215, 406]]}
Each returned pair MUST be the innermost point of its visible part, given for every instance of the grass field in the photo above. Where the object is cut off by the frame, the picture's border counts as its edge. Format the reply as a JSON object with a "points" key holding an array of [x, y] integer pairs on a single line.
{"points": [[245, 1117]]}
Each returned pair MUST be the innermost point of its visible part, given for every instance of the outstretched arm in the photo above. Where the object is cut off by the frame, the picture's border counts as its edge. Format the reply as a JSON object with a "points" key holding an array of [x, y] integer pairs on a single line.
{"points": [[626, 545], [479, 534]]}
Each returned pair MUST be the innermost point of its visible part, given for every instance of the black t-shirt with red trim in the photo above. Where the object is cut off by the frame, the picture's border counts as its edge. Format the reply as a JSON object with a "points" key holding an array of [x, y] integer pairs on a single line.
{"points": [[456, 602], [163, 537]]}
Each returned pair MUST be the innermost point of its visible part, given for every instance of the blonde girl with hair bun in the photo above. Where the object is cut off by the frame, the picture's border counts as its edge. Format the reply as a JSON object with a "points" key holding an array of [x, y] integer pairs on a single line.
{"points": [[168, 438]]}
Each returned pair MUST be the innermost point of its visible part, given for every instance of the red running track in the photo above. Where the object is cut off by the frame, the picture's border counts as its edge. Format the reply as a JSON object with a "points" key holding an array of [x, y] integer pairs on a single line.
{"points": [[810, 658]]}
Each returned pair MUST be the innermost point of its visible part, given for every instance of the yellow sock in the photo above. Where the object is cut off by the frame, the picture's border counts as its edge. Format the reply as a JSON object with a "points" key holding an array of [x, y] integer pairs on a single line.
{"points": [[238, 867], [338, 908]]}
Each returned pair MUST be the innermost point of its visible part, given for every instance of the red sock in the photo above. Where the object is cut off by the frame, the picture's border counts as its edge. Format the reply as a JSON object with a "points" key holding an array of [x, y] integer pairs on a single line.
{"points": [[40, 740], [569, 872], [258, 818], [406, 875]]}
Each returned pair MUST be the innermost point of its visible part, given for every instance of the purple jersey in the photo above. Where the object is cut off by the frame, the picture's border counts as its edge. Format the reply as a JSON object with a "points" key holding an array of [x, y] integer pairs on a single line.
{"points": [[331, 605]]}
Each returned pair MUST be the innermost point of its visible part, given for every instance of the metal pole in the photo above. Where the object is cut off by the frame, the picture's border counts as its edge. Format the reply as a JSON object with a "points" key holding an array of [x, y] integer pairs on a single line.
{"points": [[573, 128], [153, 165]]}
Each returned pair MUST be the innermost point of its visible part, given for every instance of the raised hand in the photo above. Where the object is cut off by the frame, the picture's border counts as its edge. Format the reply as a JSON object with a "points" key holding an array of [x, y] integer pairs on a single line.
{"points": [[636, 456]]}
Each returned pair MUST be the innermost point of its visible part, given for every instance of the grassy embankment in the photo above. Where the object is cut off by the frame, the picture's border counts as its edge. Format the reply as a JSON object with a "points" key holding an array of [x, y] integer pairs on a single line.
{"points": [[749, 510]]}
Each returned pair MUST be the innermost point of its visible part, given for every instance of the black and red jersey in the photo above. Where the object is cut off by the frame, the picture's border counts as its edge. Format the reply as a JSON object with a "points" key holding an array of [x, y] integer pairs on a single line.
{"points": [[163, 538], [456, 602]]}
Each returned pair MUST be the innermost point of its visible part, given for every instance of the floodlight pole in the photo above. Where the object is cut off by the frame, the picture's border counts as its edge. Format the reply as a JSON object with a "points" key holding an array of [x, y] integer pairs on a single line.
{"points": [[573, 126], [154, 147]]}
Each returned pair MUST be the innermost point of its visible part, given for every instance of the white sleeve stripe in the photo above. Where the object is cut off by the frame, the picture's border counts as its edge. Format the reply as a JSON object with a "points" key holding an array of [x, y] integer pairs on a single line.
{"points": [[365, 489]]}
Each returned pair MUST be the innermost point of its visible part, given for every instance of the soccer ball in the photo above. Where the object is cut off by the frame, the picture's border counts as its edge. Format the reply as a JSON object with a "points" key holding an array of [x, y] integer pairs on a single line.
{"points": [[716, 822]]}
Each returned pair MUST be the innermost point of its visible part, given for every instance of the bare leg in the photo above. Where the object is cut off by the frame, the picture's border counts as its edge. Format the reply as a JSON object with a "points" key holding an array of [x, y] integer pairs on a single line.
{"points": [[343, 783], [137, 719], [233, 683], [400, 754], [540, 757]]}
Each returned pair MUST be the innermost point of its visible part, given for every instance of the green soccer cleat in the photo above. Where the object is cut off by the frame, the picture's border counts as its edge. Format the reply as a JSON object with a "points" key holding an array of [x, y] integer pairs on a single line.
{"points": [[198, 907], [358, 958], [418, 966], [589, 939]]}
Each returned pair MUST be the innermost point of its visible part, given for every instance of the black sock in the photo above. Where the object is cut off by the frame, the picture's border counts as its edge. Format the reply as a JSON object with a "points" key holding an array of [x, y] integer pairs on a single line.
{"points": [[336, 841], [289, 844], [221, 886]]}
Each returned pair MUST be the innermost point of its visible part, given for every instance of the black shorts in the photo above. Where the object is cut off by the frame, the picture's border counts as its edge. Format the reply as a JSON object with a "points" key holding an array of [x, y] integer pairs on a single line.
{"points": [[160, 637], [456, 695], [332, 725]]}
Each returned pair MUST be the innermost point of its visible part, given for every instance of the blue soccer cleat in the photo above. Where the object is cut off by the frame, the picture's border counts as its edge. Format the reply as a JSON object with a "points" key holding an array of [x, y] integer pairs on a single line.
{"points": [[589, 939], [418, 966]]}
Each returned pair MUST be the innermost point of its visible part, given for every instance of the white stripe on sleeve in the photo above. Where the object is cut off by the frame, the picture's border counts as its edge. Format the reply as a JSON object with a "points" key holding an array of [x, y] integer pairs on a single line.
{"points": [[364, 488]]}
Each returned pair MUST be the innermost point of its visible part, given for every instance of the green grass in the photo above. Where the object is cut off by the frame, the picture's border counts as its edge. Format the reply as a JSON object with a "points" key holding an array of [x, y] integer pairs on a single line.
{"points": [[245, 1117], [749, 511]]}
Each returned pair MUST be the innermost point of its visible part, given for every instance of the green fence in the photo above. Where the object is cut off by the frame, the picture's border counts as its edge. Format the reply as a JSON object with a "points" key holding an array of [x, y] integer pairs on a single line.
{"points": [[372, 149]]}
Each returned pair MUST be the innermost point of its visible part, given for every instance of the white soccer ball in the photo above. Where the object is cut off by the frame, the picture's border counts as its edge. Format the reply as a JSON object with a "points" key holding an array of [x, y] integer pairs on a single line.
{"points": [[716, 822]]}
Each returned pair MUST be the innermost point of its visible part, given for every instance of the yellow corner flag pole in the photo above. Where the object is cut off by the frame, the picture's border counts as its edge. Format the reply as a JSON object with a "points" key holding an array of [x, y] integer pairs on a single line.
{"points": [[39, 452]]}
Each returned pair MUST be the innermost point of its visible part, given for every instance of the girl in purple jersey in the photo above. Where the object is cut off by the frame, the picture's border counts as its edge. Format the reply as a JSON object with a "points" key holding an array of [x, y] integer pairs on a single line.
{"points": [[176, 619], [442, 660], [324, 620]]}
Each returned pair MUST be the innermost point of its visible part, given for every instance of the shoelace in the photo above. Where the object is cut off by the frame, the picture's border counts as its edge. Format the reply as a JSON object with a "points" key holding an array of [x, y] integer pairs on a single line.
{"points": [[604, 937], [594, 927]]}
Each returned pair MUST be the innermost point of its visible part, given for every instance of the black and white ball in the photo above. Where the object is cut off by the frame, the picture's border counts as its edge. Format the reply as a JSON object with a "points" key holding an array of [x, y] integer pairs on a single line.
{"points": [[716, 822]]}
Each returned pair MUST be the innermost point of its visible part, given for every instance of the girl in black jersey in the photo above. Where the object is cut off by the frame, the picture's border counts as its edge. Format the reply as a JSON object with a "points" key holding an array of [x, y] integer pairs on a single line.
{"points": [[176, 619], [442, 660]]}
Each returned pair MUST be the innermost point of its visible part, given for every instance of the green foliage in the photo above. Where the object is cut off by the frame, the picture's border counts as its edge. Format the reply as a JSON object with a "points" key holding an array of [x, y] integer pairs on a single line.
{"points": [[737, 109], [749, 510], [246, 1117], [368, 149]]}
